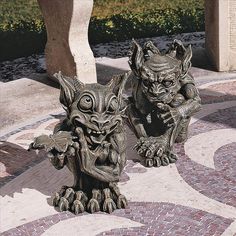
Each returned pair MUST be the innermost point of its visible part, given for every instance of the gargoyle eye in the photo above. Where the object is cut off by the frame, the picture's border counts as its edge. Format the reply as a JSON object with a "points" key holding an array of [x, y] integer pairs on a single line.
{"points": [[85, 103], [113, 105], [146, 82], [167, 83]]}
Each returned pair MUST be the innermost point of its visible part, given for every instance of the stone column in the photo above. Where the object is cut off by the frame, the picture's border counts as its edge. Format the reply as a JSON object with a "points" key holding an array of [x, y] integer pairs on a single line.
{"points": [[67, 47], [220, 18]]}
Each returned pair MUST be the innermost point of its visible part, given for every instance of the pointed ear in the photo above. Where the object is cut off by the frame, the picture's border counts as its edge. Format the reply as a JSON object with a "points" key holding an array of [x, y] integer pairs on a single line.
{"points": [[180, 52], [69, 87], [186, 60], [149, 49], [117, 84], [136, 57]]}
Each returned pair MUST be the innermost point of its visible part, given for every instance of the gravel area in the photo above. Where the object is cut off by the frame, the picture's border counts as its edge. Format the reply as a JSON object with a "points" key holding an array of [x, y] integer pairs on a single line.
{"points": [[23, 67]]}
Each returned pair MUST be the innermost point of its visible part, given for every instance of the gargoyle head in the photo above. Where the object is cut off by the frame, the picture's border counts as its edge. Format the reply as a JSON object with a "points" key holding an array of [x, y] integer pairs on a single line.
{"points": [[160, 75], [97, 110]]}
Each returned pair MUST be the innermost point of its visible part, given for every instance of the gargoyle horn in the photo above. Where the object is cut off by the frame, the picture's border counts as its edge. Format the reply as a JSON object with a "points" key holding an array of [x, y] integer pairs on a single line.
{"points": [[117, 84], [69, 87], [186, 61], [136, 58], [149, 48]]}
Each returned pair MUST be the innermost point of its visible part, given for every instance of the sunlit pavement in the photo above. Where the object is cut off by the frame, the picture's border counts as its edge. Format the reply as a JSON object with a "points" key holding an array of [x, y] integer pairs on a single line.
{"points": [[195, 196]]}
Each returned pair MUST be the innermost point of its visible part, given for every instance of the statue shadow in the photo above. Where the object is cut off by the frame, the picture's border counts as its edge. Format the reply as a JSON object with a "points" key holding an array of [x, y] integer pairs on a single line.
{"points": [[27, 169], [104, 75], [201, 60], [22, 169]]}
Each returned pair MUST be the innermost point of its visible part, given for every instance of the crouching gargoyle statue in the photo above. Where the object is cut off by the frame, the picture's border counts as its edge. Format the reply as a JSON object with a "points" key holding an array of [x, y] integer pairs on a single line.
{"points": [[90, 141], [164, 97]]}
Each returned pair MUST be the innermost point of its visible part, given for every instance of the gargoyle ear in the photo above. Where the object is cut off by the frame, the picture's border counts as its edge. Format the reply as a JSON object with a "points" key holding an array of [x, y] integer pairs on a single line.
{"points": [[117, 84], [69, 87], [178, 51], [136, 57], [186, 60], [149, 49]]}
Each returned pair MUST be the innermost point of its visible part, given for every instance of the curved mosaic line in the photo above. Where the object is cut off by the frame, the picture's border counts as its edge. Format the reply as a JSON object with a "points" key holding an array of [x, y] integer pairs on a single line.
{"points": [[212, 108], [204, 197], [201, 148], [164, 219], [90, 225], [166, 185]]}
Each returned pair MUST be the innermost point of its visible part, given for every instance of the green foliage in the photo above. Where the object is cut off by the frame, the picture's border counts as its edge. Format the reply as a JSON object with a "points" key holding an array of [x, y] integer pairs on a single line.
{"points": [[22, 31], [147, 24]]}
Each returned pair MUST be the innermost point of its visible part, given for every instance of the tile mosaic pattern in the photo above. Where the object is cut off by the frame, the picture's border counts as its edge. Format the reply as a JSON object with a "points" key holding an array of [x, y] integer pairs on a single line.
{"points": [[191, 197]]}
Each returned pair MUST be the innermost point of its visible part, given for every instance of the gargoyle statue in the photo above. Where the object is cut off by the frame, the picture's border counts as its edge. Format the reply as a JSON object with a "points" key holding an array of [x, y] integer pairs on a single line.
{"points": [[164, 97], [91, 143]]}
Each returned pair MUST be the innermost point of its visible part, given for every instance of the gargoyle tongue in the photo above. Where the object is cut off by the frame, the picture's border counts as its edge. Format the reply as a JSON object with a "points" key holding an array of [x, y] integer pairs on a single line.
{"points": [[97, 138]]}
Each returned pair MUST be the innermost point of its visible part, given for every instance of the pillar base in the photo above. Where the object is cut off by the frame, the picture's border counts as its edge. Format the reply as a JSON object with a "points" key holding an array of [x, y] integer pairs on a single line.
{"points": [[67, 49]]}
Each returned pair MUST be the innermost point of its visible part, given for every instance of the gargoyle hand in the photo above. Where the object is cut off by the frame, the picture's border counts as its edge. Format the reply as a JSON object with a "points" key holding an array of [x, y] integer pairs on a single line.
{"points": [[153, 149], [87, 159], [58, 146], [170, 116], [59, 159]]}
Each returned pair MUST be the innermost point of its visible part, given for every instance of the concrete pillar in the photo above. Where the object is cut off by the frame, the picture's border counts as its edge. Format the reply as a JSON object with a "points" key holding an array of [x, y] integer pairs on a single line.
{"points": [[220, 18], [67, 47]]}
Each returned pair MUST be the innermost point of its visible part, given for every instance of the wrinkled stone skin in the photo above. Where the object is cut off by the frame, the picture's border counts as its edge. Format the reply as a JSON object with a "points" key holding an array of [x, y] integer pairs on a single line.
{"points": [[90, 141], [164, 97]]}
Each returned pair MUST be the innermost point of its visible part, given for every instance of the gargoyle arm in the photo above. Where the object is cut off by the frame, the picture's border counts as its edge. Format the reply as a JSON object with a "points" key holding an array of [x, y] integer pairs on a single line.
{"points": [[193, 103], [135, 121]]}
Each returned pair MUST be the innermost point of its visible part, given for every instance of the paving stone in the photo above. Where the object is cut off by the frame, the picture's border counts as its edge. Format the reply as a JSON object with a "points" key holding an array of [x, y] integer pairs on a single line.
{"points": [[217, 184]]}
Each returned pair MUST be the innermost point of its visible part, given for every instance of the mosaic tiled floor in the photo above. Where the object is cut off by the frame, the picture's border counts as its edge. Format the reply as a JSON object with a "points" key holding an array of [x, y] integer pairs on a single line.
{"points": [[195, 196]]}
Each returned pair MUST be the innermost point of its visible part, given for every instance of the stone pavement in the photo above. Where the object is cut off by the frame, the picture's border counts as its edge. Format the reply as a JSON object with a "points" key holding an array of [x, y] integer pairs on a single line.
{"points": [[195, 196]]}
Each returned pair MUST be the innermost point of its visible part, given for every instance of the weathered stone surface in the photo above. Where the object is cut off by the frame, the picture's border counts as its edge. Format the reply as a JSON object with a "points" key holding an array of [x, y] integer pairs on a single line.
{"points": [[67, 48], [220, 16]]}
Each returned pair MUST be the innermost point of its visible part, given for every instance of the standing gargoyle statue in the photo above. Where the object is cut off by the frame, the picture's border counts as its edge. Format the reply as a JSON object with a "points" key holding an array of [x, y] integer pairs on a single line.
{"points": [[164, 97], [91, 143]]}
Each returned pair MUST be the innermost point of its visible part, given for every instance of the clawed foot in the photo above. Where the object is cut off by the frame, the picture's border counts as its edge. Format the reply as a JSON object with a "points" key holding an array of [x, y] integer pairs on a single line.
{"points": [[164, 160], [108, 204], [68, 199], [154, 151], [106, 200]]}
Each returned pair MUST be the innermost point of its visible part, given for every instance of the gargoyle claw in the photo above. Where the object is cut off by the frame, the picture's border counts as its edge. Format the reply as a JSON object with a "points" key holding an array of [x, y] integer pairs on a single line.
{"points": [[109, 205], [79, 203], [156, 162], [159, 152], [164, 160], [149, 162], [172, 157], [77, 207], [56, 199], [93, 206], [121, 202], [63, 204], [94, 202]]}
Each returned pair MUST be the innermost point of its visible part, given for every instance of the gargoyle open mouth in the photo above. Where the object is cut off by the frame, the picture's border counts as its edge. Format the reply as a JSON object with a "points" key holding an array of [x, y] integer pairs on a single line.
{"points": [[100, 162], [94, 135], [97, 137]]}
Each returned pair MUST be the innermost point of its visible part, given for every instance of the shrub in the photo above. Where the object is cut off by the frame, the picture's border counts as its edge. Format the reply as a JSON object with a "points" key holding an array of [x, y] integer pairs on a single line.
{"points": [[22, 31], [148, 24]]}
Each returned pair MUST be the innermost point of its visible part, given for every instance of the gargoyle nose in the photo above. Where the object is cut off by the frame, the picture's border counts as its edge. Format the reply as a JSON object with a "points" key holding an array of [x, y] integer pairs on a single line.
{"points": [[156, 89], [100, 123]]}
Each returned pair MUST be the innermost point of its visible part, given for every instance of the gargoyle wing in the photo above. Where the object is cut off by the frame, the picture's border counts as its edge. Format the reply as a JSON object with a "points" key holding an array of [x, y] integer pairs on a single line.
{"points": [[59, 141]]}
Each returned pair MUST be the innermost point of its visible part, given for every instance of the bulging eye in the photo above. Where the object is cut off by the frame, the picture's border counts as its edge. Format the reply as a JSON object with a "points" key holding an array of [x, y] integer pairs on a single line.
{"points": [[167, 83], [113, 105], [146, 82], [85, 103]]}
